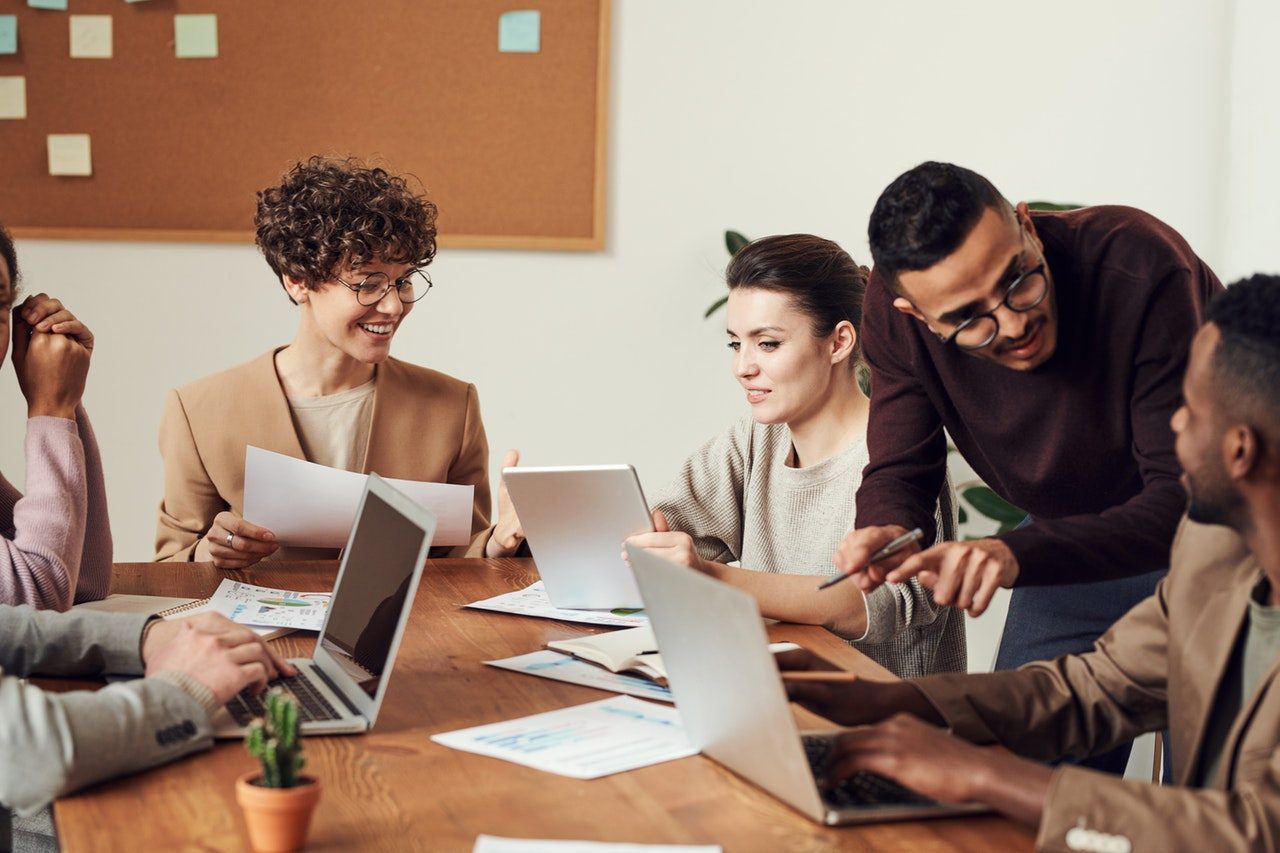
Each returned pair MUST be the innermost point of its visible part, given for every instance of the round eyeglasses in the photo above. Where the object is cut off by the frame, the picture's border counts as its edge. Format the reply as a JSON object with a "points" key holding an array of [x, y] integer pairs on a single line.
{"points": [[370, 291], [1025, 292]]}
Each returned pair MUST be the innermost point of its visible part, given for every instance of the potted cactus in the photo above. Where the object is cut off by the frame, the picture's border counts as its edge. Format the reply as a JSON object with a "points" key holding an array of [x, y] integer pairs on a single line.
{"points": [[277, 802]]}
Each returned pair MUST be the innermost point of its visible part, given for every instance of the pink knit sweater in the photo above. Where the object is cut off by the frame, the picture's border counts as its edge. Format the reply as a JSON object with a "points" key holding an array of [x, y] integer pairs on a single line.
{"points": [[55, 541]]}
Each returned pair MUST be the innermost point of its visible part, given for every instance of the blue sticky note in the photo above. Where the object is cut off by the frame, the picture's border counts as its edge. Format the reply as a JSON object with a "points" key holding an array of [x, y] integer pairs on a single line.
{"points": [[520, 32], [8, 33], [48, 4], [195, 36]]}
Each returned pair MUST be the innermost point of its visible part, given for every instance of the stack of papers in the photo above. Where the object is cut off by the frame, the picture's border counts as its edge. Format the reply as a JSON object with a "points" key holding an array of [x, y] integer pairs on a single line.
{"points": [[562, 667], [265, 607]]}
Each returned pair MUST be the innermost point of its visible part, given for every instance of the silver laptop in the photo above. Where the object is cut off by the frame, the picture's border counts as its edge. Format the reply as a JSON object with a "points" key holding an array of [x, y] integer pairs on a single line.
{"points": [[340, 688], [576, 518], [735, 710]]}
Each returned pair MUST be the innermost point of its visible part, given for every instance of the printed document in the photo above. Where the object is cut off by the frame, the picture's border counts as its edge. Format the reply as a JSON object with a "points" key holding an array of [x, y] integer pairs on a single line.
{"points": [[533, 601], [561, 667], [583, 741]]}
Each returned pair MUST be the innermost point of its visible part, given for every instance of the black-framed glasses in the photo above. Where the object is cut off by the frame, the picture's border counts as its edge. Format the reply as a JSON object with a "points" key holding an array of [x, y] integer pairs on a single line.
{"points": [[374, 286], [1024, 293]]}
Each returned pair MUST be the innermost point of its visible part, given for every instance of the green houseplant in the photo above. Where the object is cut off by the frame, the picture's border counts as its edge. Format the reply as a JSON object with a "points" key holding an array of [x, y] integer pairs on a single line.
{"points": [[276, 799]]}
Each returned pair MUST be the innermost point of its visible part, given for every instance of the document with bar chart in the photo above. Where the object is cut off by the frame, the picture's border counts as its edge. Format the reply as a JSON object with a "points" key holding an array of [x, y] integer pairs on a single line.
{"points": [[584, 741]]}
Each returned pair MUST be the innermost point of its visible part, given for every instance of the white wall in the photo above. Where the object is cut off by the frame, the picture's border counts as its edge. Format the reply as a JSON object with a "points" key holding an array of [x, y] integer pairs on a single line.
{"points": [[760, 116]]}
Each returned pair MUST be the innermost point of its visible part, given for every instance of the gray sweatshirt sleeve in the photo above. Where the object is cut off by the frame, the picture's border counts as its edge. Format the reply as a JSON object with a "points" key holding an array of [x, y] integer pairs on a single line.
{"points": [[54, 743], [706, 498]]}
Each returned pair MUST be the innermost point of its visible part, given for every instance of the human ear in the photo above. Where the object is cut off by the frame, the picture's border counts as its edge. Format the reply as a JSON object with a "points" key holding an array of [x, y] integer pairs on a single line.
{"points": [[296, 288], [844, 339], [904, 305], [1023, 215], [1240, 451]]}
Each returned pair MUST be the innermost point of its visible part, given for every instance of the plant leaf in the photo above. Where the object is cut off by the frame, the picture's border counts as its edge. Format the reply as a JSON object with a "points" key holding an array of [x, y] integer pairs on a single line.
{"points": [[734, 241], [715, 306], [994, 507], [1053, 205]]}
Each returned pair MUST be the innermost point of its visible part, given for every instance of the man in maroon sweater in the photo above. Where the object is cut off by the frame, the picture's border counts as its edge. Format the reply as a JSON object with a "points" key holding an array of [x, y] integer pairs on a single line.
{"points": [[1051, 348]]}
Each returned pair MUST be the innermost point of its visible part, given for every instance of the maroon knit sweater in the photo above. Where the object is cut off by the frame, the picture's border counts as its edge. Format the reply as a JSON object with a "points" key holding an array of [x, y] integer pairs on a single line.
{"points": [[1082, 442]]}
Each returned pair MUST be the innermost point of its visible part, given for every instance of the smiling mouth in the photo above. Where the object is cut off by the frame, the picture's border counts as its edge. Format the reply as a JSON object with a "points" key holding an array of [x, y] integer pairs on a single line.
{"points": [[378, 328], [1028, 341]]}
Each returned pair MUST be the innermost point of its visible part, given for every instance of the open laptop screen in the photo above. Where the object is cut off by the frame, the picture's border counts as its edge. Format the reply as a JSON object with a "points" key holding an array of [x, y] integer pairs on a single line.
{"points": [[367, 603]]}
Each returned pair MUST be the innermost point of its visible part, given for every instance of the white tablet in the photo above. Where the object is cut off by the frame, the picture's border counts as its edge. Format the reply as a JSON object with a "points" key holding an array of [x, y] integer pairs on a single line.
{"points": [[576, 519]]}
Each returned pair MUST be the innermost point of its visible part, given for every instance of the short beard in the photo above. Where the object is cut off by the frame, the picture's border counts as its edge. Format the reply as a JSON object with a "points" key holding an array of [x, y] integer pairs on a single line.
{"points": [[1217, 509]]}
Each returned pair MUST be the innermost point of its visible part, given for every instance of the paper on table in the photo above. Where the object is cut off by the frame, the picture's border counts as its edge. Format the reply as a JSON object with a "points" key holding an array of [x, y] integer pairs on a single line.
{"points": [[584, 741], [13, 97], [561, 667], [314, 506], [533, 601], [267, 607], [497, 844]]}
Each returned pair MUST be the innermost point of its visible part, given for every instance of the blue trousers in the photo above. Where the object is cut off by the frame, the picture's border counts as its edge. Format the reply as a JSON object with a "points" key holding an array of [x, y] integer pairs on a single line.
{"points": [[1047, 621]]}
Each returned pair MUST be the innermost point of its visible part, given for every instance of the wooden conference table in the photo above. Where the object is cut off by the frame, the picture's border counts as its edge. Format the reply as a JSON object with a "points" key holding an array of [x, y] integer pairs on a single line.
{"points": [[393, 789]]}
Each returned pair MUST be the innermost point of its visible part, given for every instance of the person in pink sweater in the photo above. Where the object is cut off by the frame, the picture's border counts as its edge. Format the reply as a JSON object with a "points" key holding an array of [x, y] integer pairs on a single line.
{"points": [[55, 540]]}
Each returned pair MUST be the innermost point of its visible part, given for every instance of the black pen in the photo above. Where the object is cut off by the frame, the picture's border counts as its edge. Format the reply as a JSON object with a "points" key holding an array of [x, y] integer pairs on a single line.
{"points": [[887, 551]]}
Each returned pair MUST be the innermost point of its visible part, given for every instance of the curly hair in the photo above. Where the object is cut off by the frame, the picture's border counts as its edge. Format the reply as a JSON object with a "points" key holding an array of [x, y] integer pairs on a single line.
{"points": [[1246, 363], [326, 214]]}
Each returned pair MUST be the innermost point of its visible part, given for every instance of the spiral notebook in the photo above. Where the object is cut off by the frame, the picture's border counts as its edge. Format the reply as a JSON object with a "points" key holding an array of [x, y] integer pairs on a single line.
{"points": [[168, 607]]}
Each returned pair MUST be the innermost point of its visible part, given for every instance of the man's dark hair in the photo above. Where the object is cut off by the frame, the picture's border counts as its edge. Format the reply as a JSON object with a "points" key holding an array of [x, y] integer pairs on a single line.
{"points": [[924, 216], [1246, 363], [10, 256]]}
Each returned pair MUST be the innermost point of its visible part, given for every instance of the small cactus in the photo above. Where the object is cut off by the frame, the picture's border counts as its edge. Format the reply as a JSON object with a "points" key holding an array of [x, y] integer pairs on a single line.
{"points": [[274, 741]]}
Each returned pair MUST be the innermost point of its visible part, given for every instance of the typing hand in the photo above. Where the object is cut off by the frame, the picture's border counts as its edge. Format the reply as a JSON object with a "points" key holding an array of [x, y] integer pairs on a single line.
{"points": [[858, 547], [916, 755], [218, 653], [843, 697], [233, 543], [508, 532], [668, 544], [962, 574]]}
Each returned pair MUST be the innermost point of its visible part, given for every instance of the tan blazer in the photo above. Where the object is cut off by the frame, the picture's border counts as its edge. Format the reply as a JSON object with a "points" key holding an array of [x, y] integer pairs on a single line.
{"points": [[426, 426], [1159, 666]]}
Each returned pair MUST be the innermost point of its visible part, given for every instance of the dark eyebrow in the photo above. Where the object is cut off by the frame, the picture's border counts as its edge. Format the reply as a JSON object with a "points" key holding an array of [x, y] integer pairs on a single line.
{"points": [[755, 332], [956, 315]]}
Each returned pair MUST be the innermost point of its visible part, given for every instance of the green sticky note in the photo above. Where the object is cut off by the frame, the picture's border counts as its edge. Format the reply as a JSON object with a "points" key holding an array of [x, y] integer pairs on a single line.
{"points": [[195, 36], [520, 31], [48, 4], [8, 33]]}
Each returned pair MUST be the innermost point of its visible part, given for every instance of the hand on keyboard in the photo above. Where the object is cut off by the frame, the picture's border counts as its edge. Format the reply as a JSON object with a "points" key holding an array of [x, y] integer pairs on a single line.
{"points": [[218, 653]]}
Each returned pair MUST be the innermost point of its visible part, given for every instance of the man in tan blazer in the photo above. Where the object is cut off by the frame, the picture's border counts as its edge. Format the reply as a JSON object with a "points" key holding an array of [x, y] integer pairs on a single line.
{"points": [[1200, 657]]}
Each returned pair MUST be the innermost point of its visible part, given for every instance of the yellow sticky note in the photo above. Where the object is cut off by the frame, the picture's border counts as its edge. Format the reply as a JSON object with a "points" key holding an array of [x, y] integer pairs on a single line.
{"points": [[90, 36], [69, 154], [13, 97]]}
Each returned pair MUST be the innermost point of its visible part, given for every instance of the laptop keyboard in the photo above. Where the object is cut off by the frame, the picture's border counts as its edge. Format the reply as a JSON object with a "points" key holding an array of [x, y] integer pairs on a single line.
{"points": [[312, 705], [860, 789]]}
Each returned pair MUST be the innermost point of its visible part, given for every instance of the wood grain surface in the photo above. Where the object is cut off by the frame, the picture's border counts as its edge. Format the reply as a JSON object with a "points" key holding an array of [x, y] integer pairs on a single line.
{"points": [[393, 789]]}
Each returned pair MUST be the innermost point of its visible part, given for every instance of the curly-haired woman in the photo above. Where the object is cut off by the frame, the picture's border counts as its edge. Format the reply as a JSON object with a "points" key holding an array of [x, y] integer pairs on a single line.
{"points": [[349, 244]]}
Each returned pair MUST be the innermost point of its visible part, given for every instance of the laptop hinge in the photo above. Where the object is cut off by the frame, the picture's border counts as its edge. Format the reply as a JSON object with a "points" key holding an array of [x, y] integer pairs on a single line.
{"points": [[320, 673]]}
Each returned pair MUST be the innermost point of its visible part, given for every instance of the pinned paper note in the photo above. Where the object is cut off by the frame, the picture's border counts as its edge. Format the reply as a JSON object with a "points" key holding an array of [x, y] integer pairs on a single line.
{"points": [[520, 31], [90, 36], [13, 97], [69, 154], [195, 36], [60, 5], [8, 34]]}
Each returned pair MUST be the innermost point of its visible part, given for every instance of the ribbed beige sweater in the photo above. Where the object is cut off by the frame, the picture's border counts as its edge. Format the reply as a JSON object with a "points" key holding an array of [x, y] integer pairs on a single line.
{"points": [[740, 501]]}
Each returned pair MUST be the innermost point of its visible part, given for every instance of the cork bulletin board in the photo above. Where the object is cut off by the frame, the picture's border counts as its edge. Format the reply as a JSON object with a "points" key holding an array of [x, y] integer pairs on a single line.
{"points": [[509, 144]]}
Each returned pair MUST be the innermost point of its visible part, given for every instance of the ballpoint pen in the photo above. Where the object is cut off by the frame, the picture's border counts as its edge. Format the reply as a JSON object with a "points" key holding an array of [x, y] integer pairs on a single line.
{"points": [[887, 551]]}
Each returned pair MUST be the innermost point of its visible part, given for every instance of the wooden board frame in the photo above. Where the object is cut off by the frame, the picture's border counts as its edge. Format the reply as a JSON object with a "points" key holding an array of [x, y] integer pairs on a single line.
{"points": [[594, 241]]}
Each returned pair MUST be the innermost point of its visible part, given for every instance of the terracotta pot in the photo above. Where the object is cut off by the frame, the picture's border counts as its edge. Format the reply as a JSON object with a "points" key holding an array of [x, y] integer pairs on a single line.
{"points": [[277, 818]]}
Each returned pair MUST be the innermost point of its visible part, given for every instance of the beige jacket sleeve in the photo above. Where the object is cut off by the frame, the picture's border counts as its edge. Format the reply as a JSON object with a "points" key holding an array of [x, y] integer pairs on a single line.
{"points": [[191, 500], [471, 468]]}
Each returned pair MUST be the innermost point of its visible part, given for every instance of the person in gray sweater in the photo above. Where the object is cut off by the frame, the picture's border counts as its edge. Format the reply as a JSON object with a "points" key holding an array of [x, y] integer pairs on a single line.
{"points": [[775, 492], [53, 743]]}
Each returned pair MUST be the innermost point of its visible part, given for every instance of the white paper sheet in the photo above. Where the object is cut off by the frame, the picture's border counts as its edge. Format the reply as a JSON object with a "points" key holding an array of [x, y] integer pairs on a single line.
{"points": [[562, 667], [584, 741], [266, 607], [313, 506], [496, 844], [533, 601]]}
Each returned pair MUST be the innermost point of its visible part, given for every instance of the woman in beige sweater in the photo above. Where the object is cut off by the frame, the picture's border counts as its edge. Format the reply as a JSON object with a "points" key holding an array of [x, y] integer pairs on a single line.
{"points": [[775, 491]]}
